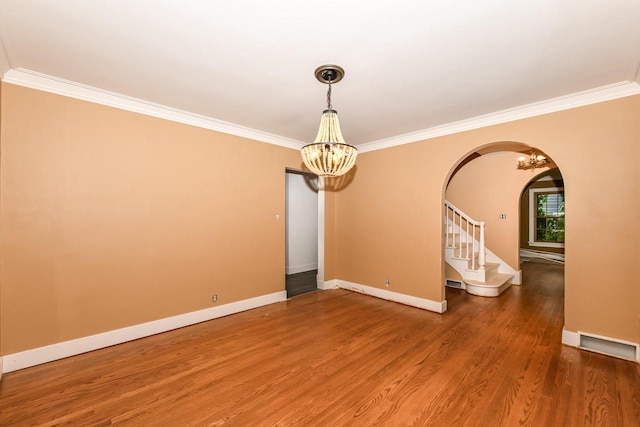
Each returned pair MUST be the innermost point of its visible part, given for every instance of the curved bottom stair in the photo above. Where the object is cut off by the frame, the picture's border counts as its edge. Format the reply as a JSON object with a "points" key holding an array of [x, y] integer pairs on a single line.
{"points": [[492, 287], [494, 282]]}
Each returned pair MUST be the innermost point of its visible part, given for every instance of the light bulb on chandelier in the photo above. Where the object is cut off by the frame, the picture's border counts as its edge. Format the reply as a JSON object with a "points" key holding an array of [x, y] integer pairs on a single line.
{"points": [[533, 161]]}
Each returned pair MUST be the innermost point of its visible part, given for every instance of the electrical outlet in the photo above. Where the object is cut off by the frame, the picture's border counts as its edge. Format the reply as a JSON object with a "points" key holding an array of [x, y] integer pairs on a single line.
{"points": [[214, 298], [386, 282]]}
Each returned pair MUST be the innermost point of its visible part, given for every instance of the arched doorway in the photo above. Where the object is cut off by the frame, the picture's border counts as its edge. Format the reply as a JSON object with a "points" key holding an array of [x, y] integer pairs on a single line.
{"points": [[542, 218], [487, 186]]}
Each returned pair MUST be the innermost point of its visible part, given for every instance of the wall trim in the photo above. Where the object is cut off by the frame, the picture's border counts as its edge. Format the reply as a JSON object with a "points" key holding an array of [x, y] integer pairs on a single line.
{"points": [[44, 82], [517, 278], [329, 284], [438, 307], [570, 338], [34, 80], [578, 99], [549, 256], [49, 353]]}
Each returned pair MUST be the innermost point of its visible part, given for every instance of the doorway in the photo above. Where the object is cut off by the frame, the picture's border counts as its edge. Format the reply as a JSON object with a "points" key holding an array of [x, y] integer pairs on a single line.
{"points": [[301, 247], [542, 219], [488, 187]]}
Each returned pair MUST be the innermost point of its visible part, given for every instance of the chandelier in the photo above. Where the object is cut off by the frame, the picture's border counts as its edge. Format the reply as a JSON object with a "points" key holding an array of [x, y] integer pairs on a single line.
{"points": [[329, 155], [534, 161]]}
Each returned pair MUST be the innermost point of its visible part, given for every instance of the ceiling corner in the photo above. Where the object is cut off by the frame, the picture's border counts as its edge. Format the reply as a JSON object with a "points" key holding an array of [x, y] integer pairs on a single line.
{"points": [[5, 65]]}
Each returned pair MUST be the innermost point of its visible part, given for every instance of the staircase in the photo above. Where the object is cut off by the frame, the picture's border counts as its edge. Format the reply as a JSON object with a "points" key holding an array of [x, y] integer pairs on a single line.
{"points": [[465, 251]]}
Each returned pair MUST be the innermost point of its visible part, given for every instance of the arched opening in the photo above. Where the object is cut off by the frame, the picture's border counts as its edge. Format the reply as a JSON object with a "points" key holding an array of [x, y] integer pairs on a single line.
{"points": [[487, 187], [542, 218]]}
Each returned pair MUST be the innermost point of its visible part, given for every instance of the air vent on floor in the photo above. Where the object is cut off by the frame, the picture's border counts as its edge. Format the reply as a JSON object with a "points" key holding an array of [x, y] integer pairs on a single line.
{"points": [[454, 284], [610, 347]]}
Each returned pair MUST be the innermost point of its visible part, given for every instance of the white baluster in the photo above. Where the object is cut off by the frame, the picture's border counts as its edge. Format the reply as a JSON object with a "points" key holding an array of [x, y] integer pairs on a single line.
{"points": [[466, 255], [473, 248], [459, 249], [482, 254]]}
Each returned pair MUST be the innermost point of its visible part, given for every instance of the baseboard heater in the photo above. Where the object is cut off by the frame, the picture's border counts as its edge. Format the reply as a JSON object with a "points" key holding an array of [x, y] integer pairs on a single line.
{"points": [[621, 349], [454, 284]]}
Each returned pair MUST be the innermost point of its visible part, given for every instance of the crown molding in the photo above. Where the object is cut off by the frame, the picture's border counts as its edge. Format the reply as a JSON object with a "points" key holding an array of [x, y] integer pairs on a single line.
{"points": [[578, 99], [44, 82]]}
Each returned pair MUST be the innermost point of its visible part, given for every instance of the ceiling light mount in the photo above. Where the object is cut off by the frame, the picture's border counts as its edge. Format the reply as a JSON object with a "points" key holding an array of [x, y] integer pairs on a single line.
{"points": [[329, 74]]}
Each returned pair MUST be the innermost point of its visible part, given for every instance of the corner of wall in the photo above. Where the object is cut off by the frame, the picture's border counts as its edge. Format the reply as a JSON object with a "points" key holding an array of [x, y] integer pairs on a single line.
{"points": [[517, 278]]}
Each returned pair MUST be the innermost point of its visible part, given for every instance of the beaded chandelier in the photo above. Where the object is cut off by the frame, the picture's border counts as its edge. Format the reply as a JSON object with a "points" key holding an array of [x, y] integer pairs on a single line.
{"points": [[329, 155]]}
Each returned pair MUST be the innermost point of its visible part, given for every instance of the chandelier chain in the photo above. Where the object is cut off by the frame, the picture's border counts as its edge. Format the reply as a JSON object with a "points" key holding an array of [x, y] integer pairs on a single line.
{"points": [[329, 96]]}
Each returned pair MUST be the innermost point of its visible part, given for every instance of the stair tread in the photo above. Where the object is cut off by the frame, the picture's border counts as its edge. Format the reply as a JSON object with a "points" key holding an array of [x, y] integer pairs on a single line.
{"points": [[496, 280], [487, 267]]}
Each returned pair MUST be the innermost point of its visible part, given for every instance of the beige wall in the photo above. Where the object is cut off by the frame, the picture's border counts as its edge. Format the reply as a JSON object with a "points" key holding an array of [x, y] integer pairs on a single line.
{"points": [[111, 218], [385, 221], [389, 219], [485, 188]]}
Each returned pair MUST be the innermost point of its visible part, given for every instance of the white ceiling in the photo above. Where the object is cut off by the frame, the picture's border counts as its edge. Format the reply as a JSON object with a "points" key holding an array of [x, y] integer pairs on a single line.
{"points": [[410, 65]]}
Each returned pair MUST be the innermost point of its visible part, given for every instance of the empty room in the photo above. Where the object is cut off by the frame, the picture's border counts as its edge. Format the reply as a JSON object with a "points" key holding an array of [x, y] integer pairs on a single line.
{"points": [[189, 235]]}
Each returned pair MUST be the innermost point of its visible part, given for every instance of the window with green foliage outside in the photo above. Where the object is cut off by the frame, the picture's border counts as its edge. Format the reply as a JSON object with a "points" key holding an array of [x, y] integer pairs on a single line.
{"points": [[550, 217]]}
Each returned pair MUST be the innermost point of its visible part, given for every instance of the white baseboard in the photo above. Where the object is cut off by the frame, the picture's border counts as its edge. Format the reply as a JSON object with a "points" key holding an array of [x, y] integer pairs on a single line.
{"points": [[301, 268], [329, 284], [37, 356], [517, 278], [570, 338], [438, 307]]}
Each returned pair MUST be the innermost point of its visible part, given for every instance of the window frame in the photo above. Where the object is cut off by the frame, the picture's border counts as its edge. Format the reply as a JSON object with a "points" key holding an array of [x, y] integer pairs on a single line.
{"points": [[533, 192]]}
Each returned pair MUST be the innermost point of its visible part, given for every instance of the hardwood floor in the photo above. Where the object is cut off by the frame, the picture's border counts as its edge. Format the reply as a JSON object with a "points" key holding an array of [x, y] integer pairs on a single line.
{"points": [[336, 358]]}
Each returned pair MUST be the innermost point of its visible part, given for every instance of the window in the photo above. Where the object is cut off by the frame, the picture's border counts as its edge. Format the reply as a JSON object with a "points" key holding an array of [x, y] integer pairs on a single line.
{"points": [[546, 217]]}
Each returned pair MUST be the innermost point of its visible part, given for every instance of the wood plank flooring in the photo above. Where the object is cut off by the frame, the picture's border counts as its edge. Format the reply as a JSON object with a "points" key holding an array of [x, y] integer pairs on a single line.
{"points": [[338, 358]]}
